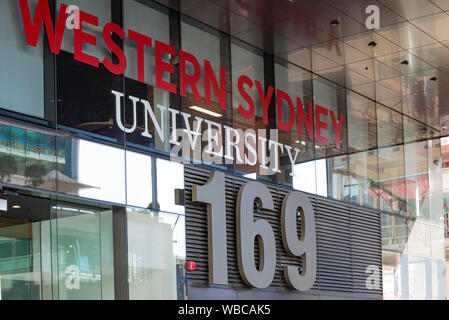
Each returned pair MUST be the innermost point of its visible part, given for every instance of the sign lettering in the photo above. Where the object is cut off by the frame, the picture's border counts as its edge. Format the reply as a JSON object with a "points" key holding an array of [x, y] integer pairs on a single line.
{"points": [[250, 230]]}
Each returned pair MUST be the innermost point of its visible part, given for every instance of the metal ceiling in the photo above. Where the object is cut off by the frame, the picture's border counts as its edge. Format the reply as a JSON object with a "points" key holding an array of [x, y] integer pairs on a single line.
{"points": [[407, 70]]}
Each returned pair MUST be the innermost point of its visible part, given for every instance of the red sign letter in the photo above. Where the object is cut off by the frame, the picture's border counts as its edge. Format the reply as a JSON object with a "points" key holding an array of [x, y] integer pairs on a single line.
{"points": [[248, 114], [265, 100], [141, 42], [162, 66], [115, 49], [209, 78], [319, 110], [83, 37], [302, 117], [184, 78], [337, 127], [32, 30], [281, 95]]}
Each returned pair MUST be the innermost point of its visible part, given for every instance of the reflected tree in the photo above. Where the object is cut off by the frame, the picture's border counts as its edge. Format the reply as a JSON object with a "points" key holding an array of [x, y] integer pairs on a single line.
{"points": [[8, 167], [34, 174]]}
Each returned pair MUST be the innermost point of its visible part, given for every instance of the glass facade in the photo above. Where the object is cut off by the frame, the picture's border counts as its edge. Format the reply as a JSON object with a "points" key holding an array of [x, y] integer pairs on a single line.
{"points": [[60, 137]]}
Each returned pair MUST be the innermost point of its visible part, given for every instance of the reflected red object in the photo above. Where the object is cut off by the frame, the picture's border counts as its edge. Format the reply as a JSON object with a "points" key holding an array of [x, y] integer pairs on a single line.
{"points": [[191, 266]]}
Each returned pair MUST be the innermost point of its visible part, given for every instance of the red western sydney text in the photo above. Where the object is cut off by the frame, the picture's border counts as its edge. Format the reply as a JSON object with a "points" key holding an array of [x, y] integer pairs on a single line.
{"points": [[296, 108]]}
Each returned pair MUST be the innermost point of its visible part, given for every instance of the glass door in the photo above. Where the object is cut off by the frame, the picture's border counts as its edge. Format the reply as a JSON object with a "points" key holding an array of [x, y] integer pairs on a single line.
{"points": [[55, 250], [82, 250], [20, 247]]}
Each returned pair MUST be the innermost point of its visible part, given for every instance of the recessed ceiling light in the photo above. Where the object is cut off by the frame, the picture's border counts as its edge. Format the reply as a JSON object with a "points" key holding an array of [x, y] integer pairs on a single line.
{"points": [[335, 22], [208, 112], [372, 44], [16, 207]]}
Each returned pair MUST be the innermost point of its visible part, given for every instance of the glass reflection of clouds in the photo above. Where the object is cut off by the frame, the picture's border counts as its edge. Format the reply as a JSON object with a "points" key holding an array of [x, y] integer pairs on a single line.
{"points": [[170, 176], [103, 168], [138, 180], [311, 177]]}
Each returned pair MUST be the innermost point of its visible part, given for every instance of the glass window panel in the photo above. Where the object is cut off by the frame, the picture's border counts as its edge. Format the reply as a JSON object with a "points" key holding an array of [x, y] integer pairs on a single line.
{"points": [[332, 97], [304, 178], [418, 238], [139, 184], [52, 250], [394, 257], [364, 178], [40, 161], [24, 70], [85, 101], [417, 180], [99, 8], [91, 170], [156, 255], [296, 82], [170, 176], [389, 127], [311, 177], [91, 107], [338, 179], [12, 155], [27, 158], [204, 46], [392, 185], [141, 18], [20, 256], [247, 61], [394, 233], [107, 255], [436, 174], [362, 126], [414, 130], [150, 22], [84, 265]]}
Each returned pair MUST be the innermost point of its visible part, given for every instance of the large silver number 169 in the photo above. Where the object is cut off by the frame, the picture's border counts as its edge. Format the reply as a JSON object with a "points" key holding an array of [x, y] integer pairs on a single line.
{"points": [[249, 230]]}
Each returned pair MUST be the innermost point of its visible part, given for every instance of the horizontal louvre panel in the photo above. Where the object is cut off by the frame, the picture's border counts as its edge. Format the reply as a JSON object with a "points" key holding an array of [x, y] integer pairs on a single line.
{"points": [[348, 239]]}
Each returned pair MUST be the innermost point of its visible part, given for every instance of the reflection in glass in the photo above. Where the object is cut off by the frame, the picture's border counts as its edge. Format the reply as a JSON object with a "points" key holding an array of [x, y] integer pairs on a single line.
{"points": [[27, 158], [22, 67], [170, 176], [247, 61], [364, 185], [147, 21], [52, 250], [20, 270], [99, 8], [143, 19], [417, 179], [392, 185], [311, 177], [394, 257], [156, 255], [389, 127], [204, 46], [338, 179], [332, 97], [91, 170], [139, 184], [362, 127], [296, 82]]}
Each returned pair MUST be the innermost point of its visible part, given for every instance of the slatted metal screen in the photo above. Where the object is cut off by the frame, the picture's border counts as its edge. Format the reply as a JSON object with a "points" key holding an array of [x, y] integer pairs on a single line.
{"points": [[348, 242]]}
